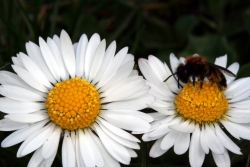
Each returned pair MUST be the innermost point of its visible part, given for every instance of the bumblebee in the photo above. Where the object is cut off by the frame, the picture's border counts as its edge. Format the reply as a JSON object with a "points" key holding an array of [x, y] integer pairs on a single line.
{"points": [[198, 67]]}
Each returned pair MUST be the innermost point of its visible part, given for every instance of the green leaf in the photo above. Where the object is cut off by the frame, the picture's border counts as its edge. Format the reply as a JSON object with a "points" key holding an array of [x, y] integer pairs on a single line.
{"points": [[184, 25], [209, 46], [244, 71]]}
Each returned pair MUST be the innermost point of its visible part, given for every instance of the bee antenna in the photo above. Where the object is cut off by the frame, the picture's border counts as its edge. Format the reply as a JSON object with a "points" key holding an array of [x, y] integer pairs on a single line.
{"points": [[169, 77], [4, 65]]}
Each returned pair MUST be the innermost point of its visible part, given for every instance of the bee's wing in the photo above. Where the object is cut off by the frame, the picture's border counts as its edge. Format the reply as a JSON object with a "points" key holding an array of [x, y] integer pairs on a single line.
{"points": [[224, 70]]}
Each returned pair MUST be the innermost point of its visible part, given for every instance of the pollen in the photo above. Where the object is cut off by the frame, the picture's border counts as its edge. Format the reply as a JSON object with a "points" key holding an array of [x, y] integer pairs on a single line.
{"points": [[202, 105], [73, 103]]}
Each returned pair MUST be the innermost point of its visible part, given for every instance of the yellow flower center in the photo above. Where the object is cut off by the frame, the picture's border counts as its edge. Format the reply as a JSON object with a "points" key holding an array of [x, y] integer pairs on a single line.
{"points": [[201, 105], [73, 104]]}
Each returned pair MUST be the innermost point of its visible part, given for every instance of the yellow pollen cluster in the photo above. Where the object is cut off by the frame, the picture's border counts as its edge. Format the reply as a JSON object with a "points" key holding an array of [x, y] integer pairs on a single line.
{"points": [[73, 103], [202, 105]]}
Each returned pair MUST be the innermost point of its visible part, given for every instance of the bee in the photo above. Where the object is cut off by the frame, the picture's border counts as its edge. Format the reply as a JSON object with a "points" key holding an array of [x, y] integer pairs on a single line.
{"points": [[198, 67]]}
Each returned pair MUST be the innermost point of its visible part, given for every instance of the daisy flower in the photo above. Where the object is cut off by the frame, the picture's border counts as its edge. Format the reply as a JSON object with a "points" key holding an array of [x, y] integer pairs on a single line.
{"points": [[194, 118], [83, 94]]}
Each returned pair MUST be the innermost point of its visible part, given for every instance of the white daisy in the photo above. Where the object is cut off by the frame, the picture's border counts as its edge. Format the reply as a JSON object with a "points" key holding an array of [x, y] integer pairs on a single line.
{"points": [[194, 118], [80, 93]]}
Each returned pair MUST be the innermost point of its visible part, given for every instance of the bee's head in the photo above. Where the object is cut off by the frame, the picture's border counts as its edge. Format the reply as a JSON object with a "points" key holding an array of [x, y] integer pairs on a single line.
{"points": [[183, 73]]}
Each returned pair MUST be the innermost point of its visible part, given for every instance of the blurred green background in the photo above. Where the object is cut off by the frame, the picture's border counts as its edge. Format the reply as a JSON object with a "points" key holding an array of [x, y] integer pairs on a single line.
{"points": [[210, 28]]}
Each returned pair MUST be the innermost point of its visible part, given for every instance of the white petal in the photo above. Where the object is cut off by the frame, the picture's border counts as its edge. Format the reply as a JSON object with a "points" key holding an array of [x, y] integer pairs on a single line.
{"points": [[169, 140], [165, 120], [185, 127], [222, 160], [68, 152], [196, 154], [156, 150], [133, 73], [35, 54], [29, 78], [99, 162], [121, 74], [158, 67], [120, 84], [129, 57], [203, 141], [97, 59], [242, 105], [80, 55], [47, 162], [221, 61], [36, 158], [171, 82], [143, 91], [234, 68], [79, 160], [59, 59], [242, 96], [90, 52], [182, 143], [239, 119], [13, 106], [35, 70], [36, 140], [124, 91], [27, 118], [137, 114], [132, 153], [68, 53], [236, 86], [22, 134], [118, 151], [17, 61], [161, 91], [8, 78], [127, 122], [109, 160], [174, 62], [108, 58], [86, 151], [114, 66], [8, 125], [163, 110], [157, 116], [20, 94], [118, 139], [226, 141], [134, 104], [56, 39], [159, 131], [236, 130], [118, 131], [147, 71], [75, 47], [49, 59], [237, 112], [241, 89], [50, 146], [212, 140], [73, 137]]}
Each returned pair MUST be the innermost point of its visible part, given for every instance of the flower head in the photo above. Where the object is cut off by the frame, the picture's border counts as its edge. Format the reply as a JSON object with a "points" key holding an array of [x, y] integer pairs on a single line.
{"points": [[81, 93], [192, 117]]}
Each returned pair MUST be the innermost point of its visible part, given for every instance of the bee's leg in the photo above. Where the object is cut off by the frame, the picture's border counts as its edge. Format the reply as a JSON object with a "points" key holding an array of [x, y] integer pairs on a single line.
{"points": [[219, 86], [178, 83], [201, 84], [201, 80], [193, 77]]}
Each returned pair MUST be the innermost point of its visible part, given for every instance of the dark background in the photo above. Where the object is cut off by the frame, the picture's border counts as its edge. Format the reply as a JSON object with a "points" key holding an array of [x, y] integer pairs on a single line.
{"points": [[210, 28]]}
